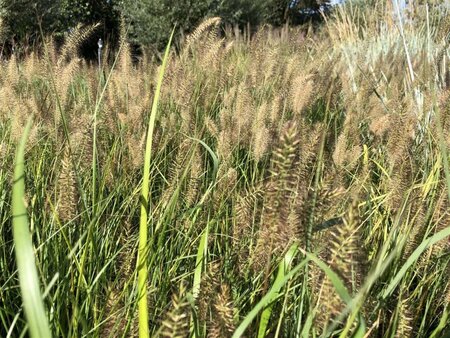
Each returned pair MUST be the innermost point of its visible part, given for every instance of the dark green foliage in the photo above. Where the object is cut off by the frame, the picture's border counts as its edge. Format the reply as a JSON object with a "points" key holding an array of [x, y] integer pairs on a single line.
{"points": [[23, 19], [279, 12], [153, 20], [150, 21]]}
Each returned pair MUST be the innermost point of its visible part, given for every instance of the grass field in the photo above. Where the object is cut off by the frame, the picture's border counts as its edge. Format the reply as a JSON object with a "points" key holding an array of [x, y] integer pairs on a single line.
{"points": [[291, 184]]}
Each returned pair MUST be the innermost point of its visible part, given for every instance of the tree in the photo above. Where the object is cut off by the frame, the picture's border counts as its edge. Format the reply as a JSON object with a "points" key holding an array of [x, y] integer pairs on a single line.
{"points": [[241, 11], [21, 18], [151, 21], [300, 11], [89, 12], [104, 12]]}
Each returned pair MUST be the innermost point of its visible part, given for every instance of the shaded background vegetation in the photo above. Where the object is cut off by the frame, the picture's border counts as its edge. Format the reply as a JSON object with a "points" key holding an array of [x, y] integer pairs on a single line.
{"points": [[150, 21]]}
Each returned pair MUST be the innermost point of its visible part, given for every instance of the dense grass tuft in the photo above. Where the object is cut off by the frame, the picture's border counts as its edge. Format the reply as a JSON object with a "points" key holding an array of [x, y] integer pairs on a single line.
{"points": [[298, 183]]}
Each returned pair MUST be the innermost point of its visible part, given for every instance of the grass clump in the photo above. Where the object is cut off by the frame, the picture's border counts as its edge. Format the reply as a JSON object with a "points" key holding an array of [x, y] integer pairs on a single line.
{"points": [[297, 184]]}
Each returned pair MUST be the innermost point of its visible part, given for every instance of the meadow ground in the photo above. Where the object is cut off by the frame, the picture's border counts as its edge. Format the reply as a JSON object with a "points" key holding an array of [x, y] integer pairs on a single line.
{"points": [[298, 184]]}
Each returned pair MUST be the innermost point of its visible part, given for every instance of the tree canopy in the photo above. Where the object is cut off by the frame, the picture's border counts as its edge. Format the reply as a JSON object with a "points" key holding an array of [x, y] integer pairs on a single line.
{"points": [[150, 21]]}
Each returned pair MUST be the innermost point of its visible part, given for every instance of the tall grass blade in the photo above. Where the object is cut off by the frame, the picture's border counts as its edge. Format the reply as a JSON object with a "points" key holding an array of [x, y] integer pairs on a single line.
{"points": [[267, 299], [282, 270], [212, 154], [26, 265], [414, 257], [334, 278], [143, 231], [200, 262], [343, 293]]}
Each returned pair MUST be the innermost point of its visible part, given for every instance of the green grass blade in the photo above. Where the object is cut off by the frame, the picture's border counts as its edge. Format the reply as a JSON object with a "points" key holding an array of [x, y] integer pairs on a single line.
{"points": [[414, 256], [442, 323], [200, 260], [282, 269], [342, 292], [199, 264], [212, 154], [143, 231], [361, 330], [308, 325], [28, 276], [334, 278], [276, 287], [354, 305]]}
